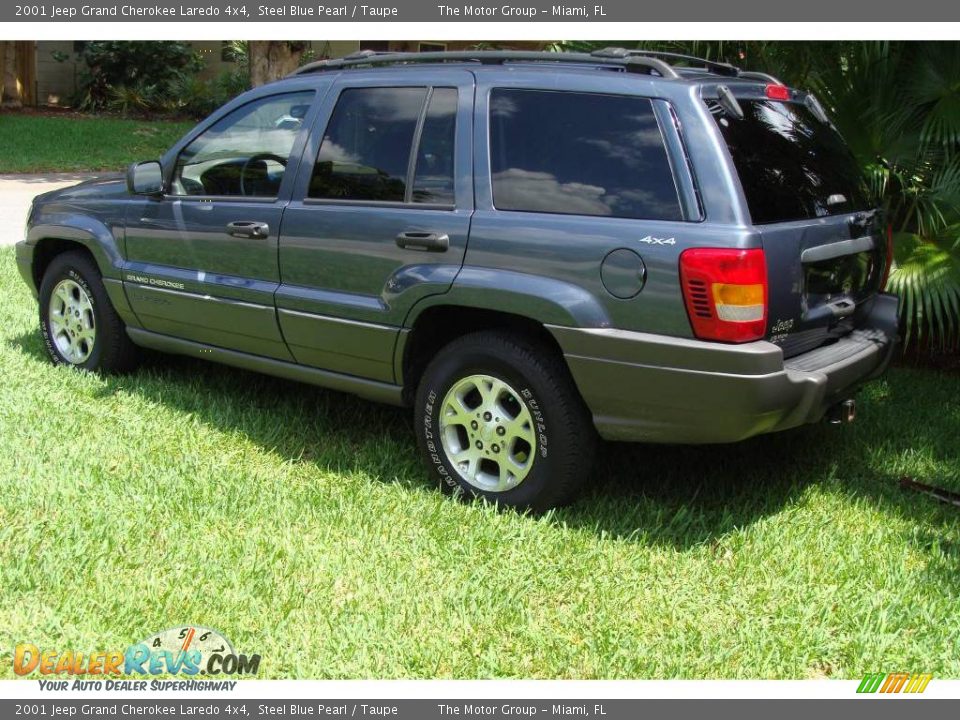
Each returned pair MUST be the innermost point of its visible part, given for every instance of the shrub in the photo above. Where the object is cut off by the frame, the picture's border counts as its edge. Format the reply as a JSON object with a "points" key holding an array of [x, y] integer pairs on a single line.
{"points": [[119, 71], [198, 98]]}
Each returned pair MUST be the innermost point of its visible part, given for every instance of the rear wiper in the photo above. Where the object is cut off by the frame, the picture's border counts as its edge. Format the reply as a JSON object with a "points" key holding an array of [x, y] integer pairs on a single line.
{"points": [[729, 103], [817, 109]]}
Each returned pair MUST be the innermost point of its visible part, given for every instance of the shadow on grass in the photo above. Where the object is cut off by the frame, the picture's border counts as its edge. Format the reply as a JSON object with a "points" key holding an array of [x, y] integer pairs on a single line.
{"points": [[681, 496]]}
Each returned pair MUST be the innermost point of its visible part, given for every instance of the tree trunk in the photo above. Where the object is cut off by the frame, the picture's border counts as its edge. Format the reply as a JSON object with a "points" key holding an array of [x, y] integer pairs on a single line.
{"points": [[273, 59], [12, 91]]}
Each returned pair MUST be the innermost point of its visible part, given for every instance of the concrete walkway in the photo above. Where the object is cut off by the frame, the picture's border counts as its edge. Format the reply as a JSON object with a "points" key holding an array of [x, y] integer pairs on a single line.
{"points": [[16, 192]]}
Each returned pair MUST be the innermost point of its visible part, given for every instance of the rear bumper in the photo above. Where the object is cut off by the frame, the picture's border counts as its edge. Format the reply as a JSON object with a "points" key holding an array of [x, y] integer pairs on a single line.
{"points": [[651, 388]]}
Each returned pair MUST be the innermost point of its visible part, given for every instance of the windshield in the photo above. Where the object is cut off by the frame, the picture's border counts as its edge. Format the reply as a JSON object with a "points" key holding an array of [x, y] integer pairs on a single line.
{"points": [[792, 166]]}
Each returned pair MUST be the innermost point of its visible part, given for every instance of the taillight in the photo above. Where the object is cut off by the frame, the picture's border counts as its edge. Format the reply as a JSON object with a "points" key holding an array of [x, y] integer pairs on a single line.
{"points": [[888, 260], [726, 293], [778, 92]]}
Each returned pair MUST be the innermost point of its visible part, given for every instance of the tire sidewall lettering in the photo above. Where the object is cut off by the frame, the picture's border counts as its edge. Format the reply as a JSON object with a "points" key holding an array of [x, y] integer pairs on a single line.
{"points": [[539, 421], [48, 340], [82, 282], [434, 451]]}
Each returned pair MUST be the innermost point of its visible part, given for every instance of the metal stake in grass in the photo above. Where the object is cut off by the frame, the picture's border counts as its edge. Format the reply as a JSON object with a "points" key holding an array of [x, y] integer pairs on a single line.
{"points": [[944, 496]]}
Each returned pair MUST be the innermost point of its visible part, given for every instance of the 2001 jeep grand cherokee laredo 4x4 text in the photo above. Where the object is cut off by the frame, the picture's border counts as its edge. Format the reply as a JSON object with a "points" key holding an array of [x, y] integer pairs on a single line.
{"points": [[529, 248]]}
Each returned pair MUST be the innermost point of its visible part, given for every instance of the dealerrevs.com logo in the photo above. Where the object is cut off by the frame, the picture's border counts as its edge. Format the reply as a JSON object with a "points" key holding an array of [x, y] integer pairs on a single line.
{"points": [[188, 651], [899, 682]]}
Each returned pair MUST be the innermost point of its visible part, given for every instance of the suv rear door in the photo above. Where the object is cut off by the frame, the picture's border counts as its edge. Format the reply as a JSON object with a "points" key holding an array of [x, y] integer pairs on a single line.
{"points": [[379, 216], [823, 241]]}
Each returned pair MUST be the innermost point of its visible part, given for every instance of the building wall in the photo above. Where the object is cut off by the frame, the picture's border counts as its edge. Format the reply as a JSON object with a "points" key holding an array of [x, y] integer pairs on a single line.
{"points": [[57, 79]]}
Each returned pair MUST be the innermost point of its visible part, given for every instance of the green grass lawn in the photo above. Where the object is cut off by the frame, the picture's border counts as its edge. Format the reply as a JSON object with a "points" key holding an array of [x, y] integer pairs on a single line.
{"points": [[75, 143], [300, 524]]}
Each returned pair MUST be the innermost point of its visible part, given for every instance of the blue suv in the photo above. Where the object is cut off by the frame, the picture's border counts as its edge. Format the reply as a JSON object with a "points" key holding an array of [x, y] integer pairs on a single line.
{"points": [[531, 250]]}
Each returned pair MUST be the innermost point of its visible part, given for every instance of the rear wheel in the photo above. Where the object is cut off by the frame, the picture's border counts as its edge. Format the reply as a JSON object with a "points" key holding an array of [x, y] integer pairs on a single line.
{"points": [[79, 325], [499, 417]]}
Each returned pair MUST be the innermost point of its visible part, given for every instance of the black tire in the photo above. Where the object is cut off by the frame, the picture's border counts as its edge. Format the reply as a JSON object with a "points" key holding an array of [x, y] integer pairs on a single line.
{"points": [[112, 350], [565, 436]]}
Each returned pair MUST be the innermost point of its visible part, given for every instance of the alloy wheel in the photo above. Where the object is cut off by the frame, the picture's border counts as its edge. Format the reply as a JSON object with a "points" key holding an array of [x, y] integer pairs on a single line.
{"points": [[72, 324], [488, 433]]}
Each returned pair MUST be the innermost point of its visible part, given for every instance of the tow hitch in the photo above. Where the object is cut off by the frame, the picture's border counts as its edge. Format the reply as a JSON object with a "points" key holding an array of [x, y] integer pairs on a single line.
{"points": [[843, 412]]}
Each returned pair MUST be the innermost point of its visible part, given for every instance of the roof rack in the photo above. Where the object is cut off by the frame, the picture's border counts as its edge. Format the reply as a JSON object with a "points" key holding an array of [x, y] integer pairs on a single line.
{"points": [[720, 68], [637, 63]]}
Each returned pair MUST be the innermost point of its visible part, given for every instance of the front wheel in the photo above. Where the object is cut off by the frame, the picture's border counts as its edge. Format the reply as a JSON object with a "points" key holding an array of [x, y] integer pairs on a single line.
{"points": [[499, 417], [79, 325]]}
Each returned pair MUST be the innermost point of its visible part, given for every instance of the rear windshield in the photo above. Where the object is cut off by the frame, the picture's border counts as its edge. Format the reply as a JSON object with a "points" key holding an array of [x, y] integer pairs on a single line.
{"points": [[792, 166]]}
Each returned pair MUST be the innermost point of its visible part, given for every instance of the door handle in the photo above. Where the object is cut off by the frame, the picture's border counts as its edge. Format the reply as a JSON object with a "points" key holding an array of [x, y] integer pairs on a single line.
{"points": [[421, 240], [248, 229], [838, 309]]}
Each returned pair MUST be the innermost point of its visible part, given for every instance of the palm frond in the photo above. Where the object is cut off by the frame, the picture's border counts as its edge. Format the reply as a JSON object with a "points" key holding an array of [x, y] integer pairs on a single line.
{"points": [[926, 276]]}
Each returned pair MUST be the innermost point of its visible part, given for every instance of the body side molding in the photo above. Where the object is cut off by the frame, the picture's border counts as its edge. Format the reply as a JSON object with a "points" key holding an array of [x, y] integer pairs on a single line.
{"points": [[368, 389]]}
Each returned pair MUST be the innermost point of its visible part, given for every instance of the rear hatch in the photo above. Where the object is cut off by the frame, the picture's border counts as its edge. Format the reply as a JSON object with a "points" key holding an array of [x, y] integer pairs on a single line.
{"points": [[824, 243]]}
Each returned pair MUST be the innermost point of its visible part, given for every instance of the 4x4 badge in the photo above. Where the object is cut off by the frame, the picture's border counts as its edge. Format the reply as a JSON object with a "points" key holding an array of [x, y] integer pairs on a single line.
{"points": [[650, 240]]}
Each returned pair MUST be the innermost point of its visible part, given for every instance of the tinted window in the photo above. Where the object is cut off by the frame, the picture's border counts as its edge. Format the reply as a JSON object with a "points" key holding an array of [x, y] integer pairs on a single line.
{"points": [[365, 153], [244, 153], [791, 165], [433, 182], [579, 153]]}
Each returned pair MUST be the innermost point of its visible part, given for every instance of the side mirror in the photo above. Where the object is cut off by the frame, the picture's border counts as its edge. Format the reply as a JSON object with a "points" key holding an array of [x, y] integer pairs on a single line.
{"points": [[145, 178]]}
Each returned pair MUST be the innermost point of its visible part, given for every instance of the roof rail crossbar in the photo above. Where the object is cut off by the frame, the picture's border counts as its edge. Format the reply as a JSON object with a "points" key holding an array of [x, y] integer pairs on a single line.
{"points": [[361, 54], [720, 68], [367, 58]]}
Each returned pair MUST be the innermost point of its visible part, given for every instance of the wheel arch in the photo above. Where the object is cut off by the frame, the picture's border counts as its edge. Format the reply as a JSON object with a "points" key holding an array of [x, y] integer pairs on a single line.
{"points": [[51, 239], [484, 299], [441, 324], [48, 248]]}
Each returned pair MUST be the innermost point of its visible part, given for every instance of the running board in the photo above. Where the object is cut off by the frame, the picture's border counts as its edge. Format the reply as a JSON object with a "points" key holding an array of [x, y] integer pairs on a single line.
{"points": [[369, 389]]}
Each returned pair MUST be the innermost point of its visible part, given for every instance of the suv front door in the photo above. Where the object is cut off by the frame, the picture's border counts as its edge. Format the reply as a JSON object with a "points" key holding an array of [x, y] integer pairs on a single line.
{"points": [[202, 259], [379, 216]]}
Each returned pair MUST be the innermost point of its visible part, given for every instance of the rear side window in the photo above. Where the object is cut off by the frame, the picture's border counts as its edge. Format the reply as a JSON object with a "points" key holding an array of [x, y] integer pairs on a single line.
{"points": [[433, 181], [389, 144], [792, 166], [579, 154]]}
